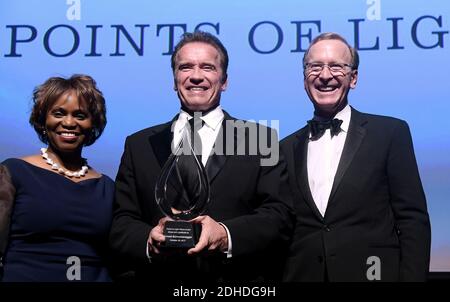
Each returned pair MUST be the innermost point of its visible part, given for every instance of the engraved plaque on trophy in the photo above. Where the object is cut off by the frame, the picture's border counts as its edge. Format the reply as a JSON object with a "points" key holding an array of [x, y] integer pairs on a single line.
{"points": [[182, 192]]}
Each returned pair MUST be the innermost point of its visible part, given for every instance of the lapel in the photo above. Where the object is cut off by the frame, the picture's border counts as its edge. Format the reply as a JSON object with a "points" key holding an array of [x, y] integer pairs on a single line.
{"points": [[161, 143], [300, 152], [216, 161], [355, 136]]}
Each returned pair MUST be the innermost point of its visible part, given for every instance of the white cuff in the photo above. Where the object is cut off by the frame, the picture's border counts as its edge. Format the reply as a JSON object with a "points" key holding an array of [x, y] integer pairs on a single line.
{"points": [[230, 246], [147, 252]]}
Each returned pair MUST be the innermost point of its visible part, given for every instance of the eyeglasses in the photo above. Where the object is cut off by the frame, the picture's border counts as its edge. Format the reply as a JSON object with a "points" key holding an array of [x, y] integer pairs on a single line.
{"points": [[335, 68]]}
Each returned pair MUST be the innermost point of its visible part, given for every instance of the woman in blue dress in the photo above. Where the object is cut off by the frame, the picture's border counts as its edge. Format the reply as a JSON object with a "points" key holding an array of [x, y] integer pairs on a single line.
{"points": [[62, 207]]}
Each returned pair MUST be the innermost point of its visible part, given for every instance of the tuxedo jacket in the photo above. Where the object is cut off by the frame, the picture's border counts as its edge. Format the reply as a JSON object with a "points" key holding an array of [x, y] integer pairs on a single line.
{"points": [[253, 201], [376, 208]]}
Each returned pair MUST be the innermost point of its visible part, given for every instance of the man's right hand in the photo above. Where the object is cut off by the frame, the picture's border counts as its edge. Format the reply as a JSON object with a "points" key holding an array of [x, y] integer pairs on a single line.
{"points": [[156, 237]]}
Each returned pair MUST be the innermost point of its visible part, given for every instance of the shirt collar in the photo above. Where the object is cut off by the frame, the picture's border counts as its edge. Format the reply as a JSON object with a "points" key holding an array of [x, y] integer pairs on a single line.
{"points": [[212, 119], [345, 115]]}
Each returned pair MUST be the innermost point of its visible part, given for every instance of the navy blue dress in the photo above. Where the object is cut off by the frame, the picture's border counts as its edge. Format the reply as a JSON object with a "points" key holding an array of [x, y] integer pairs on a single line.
{"points": [[59, 228]]}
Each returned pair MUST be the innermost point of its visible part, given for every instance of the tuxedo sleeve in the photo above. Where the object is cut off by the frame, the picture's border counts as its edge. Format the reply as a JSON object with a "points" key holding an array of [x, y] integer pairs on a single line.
{"points": [[409, 206], [271, 223], [129, 233]]}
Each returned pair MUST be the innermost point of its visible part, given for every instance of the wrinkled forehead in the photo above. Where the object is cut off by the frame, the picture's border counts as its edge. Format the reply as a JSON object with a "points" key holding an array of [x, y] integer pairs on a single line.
{"points": [[330, 50], [196, 50]]}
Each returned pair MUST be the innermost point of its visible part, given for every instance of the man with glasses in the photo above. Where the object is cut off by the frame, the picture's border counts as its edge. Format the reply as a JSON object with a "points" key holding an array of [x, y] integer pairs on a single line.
{"points": [[360, 205]]}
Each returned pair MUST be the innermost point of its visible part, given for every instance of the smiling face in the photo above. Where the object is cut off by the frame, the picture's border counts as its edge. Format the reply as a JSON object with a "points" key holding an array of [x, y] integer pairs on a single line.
{"points": [[68, 124], [328, 92], [198, 76]]}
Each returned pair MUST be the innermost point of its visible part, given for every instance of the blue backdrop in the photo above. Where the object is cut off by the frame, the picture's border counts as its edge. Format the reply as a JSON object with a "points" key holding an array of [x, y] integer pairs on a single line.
{"points": [[125, 45]]}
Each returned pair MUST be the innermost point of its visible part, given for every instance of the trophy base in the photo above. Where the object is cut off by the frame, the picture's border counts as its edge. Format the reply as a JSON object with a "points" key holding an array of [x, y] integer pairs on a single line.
{"points": [[181, 234]]}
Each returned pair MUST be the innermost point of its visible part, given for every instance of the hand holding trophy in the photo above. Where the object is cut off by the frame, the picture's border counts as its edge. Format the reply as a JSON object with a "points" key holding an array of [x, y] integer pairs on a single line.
{"points": [[182, 191]]}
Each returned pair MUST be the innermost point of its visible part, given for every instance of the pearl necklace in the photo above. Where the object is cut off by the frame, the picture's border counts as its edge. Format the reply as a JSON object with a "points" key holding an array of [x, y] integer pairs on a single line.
{"points": [[83, 171]]}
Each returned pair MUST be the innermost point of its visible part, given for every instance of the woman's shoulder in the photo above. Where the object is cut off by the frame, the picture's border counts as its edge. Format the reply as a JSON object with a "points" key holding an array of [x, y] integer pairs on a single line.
{"points": [[4, 172], [95, 174], [26, 161], [12, 162], [108, 179], [28, 158], [14, 168]]}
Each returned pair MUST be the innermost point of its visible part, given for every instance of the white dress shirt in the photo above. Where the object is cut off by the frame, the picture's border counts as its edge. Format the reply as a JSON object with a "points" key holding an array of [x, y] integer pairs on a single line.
{"points": [[323, 159], [208, 133]]}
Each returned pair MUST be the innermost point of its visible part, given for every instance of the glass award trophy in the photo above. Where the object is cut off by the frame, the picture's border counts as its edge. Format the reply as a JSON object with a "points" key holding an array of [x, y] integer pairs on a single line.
{"points": [[182, 192]]}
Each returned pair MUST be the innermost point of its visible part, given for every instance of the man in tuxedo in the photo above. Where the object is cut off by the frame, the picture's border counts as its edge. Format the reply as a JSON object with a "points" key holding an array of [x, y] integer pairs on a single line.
{"points": [[360, 206], [249, 218]]}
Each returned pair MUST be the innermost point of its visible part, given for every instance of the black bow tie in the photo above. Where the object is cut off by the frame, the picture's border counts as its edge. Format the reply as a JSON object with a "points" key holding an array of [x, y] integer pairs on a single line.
{"points": [[317, 128]]}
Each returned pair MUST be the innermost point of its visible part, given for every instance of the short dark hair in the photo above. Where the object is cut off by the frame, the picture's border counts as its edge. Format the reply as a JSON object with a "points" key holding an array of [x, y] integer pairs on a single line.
{"points": [[46, 95], [203, 37], [334, 36]]}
